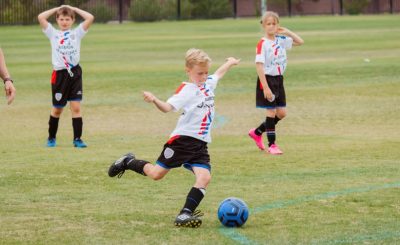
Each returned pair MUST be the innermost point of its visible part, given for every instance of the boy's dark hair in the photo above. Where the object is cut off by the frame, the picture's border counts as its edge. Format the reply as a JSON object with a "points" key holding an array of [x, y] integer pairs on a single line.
{"points": [[65, 11]]}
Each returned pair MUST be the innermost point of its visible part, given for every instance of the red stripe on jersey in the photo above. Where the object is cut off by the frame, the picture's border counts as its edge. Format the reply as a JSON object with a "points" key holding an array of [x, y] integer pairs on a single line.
{"points": [[53, 77], [172, 139], [259, 46], [179, 88]]}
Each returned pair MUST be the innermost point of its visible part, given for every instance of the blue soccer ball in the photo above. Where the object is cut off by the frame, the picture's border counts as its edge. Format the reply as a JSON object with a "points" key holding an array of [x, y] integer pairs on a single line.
{"points": [[233, 212]]}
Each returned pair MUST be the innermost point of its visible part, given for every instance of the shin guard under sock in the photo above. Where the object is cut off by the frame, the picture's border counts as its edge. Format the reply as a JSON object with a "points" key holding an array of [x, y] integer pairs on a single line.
{"points": [[77, 125], [193, 199], [270, 129], [53, 127], [137, 166]]}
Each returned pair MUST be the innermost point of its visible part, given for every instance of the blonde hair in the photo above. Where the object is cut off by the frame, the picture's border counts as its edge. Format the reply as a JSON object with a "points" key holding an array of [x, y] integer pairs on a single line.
{"points": [[65, 11], [196, 57], [268, 14]]}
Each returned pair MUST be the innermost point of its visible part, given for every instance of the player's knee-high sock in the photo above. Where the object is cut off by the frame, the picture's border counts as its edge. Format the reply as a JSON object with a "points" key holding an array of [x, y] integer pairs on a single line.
{"points": [[193, 199], [137, 165], [53, 127], [77, 124], [261, 129], [277, 119], [270, 129]]}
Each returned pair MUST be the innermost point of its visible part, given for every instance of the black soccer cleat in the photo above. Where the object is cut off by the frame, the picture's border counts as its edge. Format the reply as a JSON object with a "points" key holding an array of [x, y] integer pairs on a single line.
{"points": [[119, 166], [187, 219]]}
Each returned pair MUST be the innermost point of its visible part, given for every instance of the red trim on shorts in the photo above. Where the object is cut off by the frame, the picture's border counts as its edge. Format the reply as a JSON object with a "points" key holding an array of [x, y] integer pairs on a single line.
{"points": [[261, 86], [180, 88], [259, 46], [53, 77], [172, 139]]}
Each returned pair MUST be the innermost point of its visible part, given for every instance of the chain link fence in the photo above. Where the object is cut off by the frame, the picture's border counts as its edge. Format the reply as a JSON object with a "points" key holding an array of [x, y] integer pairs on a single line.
{"points": [[24, 12]]}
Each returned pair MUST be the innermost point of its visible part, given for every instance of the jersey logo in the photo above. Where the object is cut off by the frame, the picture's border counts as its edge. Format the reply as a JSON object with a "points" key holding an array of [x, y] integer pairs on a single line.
{"points": [[58, 96], [168, 153]]}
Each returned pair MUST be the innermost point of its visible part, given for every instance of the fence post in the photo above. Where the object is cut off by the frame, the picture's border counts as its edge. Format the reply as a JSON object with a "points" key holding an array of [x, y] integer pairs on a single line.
{"points": [[391, 6], [263, 6], [234, 9], [120, 11], [178, 9]]}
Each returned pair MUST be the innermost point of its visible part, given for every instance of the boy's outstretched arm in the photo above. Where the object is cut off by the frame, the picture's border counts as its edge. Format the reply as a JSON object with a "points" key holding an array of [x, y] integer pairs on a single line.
{"points": [[220, 72], [161, 105], [42, 17], [88, 17]]}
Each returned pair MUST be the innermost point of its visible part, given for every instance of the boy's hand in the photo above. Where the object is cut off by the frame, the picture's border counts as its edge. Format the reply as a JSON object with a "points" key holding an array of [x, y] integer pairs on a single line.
{"points": [[10, 91], [232, 60], [148, 97]]}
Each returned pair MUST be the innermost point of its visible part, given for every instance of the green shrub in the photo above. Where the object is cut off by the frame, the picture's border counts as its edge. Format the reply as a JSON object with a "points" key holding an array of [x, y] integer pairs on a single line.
{"points": [[101, 12], [211, 9], [145, 10], [25, 7], [354, 7], [169, 9]]}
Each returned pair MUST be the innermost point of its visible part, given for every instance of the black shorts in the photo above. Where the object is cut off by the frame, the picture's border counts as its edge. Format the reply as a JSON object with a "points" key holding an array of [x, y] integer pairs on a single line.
{"points": [[184, 150], [275, 83], [66, 88]]}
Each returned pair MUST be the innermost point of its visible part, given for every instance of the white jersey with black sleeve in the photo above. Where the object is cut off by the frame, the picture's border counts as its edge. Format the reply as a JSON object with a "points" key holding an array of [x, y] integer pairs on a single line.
{"points": [[65, 46], [197, 103]]}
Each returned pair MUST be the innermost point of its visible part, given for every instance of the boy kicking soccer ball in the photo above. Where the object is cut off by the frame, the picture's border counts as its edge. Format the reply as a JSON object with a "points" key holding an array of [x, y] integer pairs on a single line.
{"points": [[187, 145]]}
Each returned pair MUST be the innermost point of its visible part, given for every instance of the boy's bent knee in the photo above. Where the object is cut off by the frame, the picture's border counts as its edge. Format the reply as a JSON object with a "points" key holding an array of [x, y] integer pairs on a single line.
{"points": [[203, 180], [157, 176]]}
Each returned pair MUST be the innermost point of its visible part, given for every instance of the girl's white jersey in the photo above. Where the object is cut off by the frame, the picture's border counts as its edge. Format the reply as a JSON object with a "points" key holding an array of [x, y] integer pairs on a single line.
{"points": [[65, 46], [273, 54], [197, 103]]}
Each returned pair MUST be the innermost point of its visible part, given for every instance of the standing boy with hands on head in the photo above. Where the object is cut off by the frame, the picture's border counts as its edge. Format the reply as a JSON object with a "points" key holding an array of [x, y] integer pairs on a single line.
{"points": [[66, 79], [187, 145]]}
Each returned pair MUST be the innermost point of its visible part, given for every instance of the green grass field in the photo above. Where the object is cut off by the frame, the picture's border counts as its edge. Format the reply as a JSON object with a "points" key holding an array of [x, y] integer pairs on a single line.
{"points": [[337, 183]]}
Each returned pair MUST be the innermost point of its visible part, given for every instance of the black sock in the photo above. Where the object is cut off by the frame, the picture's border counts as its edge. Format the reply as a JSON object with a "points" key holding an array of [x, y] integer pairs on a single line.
{"points": [[260, 130], [137, 166], [53, 127], [277, 119], [77, 124], [193, 199], [270, 129]]}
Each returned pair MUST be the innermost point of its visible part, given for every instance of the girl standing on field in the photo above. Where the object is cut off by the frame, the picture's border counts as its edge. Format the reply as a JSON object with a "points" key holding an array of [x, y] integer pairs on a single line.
{"points": [[271, 63]]}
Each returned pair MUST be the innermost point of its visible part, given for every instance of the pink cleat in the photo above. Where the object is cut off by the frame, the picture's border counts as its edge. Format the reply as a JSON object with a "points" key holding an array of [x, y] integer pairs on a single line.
{"points": [[257, 139], [274, 150]]}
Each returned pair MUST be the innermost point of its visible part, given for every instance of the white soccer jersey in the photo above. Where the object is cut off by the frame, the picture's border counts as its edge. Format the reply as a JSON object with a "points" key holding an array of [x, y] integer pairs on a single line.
{"points": [[273, 54], [65, 46], [197, 103]]}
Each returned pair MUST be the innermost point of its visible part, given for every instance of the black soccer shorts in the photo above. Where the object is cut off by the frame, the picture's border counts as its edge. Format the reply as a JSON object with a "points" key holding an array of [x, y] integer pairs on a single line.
{"points": [[184, 150], [275, 83], [66, 88]]}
